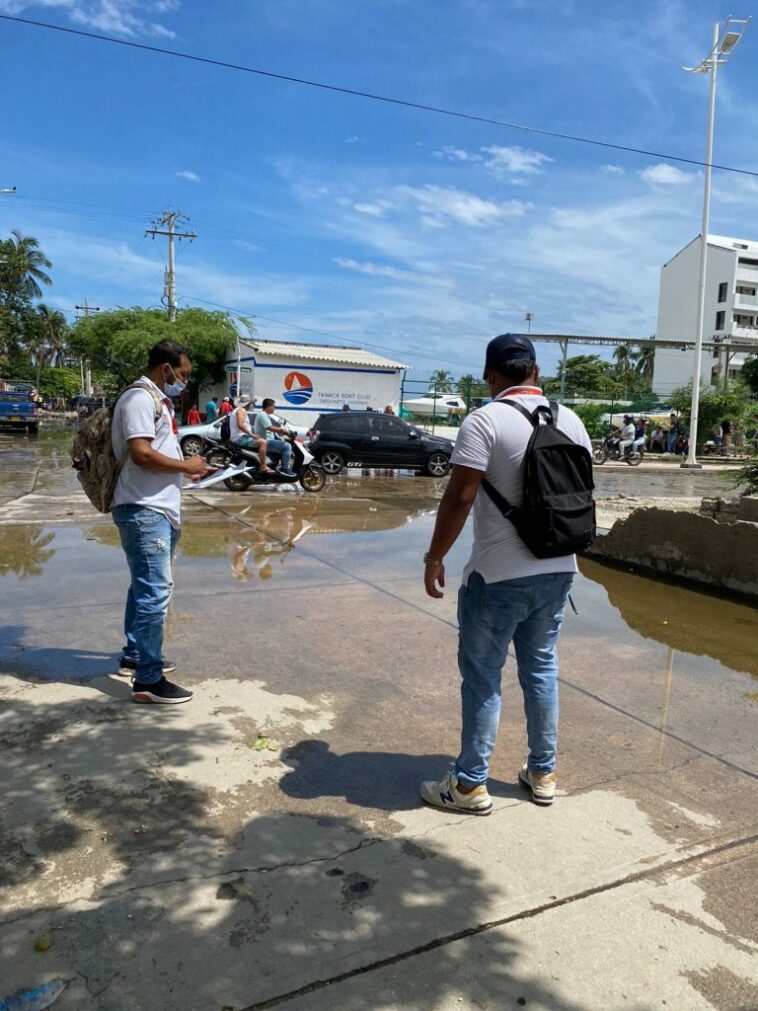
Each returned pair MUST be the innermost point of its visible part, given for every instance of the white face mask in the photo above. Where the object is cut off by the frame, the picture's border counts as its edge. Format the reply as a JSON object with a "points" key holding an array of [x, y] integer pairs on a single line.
{"points": [[174, 389]]}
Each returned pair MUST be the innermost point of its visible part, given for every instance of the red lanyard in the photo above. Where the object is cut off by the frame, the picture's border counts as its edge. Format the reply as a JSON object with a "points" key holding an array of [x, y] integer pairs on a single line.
{"points": [[522, 391], [174, 422]]}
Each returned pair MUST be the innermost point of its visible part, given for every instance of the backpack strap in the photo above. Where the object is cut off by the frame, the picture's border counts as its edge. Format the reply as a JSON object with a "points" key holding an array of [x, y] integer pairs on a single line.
{"points": [[533, 417], [157, 402]]}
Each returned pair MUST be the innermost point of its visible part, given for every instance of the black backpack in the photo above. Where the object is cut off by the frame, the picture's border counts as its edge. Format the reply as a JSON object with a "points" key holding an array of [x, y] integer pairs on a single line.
{"points": [[557, 515], [225, 429]]}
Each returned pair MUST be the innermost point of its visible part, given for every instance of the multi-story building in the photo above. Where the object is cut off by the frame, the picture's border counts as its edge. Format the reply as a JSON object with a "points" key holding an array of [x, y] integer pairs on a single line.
{"points": [[731, 311]]}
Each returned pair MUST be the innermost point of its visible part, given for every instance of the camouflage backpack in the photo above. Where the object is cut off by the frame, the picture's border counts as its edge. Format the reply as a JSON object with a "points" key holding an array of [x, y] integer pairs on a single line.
{"points": [[92, 455]]}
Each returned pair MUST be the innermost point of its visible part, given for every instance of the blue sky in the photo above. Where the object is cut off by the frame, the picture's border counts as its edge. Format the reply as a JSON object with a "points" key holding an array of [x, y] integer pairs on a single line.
{"points": [[385, 227]]}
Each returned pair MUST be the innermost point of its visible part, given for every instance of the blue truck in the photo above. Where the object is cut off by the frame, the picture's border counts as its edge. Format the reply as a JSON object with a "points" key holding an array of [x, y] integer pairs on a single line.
{"points": [[18, 406]]}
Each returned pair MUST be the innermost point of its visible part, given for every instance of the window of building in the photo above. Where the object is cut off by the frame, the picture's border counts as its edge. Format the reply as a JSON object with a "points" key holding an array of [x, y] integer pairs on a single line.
{"points": [[720, 319], [747, 262], [715, 352], [722, 291]]}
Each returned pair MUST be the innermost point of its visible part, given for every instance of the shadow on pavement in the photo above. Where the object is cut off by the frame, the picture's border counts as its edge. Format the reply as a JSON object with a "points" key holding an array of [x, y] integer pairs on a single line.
{"points": [[157, 892], [374, 779], [50, 664]]}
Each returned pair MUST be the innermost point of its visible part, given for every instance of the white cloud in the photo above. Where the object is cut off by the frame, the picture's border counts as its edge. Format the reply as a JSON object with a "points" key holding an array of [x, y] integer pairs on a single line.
{"points": [[191, 177], [663, 174], [499, 161], [439, 204], [129, 18], [457, 154], [383, 270], [376, 209], [612, 170], [513, 159], [351, 140]]}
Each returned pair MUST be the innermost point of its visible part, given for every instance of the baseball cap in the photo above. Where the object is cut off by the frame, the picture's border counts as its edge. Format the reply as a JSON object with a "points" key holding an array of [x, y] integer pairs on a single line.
{"points": [[508, 347]]}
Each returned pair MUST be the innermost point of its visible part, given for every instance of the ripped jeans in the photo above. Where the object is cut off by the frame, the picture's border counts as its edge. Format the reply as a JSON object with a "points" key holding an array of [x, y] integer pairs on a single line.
{"points": [[148, 540]]}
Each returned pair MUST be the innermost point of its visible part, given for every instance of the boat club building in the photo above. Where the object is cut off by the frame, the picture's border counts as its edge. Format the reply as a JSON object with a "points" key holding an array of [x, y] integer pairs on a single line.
{"points": [[307, 380]]}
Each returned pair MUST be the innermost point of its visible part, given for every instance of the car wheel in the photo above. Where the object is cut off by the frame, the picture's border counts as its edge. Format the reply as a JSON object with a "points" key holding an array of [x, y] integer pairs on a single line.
{"points": [[33, 428], [313, 479], [332, 462], [192, 445], [437, 465], [240, 482]]}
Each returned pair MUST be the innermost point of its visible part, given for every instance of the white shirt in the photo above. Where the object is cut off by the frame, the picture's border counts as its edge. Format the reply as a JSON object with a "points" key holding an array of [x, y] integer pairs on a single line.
{"points": [[494, 439], [234, 429], [134, 418]]}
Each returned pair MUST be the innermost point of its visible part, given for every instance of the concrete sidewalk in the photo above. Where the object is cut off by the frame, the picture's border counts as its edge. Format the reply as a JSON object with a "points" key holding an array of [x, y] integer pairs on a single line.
{"points": [[264, 845]]}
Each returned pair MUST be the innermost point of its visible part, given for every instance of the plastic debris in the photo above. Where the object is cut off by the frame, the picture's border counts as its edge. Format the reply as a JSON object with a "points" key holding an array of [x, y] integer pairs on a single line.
{"points": [[34, 1000], [264, 743]]}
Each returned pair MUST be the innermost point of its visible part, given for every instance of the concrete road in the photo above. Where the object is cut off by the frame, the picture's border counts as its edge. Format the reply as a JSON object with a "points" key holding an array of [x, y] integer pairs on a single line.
{"points": [[263, 846]]}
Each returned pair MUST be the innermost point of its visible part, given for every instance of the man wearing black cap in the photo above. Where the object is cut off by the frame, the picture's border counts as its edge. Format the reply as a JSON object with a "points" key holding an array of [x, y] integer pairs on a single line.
{"points": [[508, 594]]}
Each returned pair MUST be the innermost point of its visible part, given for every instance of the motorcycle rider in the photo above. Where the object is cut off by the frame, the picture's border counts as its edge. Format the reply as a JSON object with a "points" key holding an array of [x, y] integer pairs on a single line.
{"points": [[242, 434], [639, 434], [267, 429], [628, 433]]}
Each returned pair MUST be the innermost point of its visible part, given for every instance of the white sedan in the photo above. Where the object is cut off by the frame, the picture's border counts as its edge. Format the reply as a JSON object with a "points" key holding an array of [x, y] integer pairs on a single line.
{"points": [[192, 438]]}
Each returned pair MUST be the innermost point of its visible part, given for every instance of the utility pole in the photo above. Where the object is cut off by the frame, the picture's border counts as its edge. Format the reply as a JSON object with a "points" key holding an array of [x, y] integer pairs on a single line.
{"points": [[85, 309], [169, 220], [529, 316]]}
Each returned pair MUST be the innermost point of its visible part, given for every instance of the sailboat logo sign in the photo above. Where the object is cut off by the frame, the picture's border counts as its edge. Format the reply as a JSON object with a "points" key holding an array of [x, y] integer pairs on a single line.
{"points": [[298, 389]]}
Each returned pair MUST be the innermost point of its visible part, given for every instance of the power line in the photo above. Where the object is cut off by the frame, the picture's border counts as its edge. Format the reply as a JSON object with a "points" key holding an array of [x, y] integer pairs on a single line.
{"points": [[356, 93]]}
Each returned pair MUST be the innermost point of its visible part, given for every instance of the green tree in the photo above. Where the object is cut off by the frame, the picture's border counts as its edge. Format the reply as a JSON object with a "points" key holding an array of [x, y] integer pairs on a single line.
{"points": [[586, 376], [623, 359], [117, 342], [644, 359], [22, 272], [56, 332], [735, 404], [441, 381], [749, 375], [469, 387], [23, 267]]}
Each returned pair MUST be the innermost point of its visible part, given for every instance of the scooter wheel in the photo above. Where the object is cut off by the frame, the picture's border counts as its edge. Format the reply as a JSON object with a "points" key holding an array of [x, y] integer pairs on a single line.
{"points": [[312, 479], [240, 482]]}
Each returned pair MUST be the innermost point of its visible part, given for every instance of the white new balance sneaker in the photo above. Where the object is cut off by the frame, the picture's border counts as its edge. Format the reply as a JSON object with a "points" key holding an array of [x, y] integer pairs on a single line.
{"points": [[445, 793], [541, 785]]}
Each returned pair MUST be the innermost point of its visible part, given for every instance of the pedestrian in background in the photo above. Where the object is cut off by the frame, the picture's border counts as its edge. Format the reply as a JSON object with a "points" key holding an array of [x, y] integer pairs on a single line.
{"points": [[226, 406], [147, 511], [508, 594], [211, 409], [193, 415]]}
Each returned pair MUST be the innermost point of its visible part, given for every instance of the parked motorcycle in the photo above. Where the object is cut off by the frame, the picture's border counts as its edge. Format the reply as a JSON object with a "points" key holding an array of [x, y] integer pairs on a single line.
{"points": [[306, 470], [610, 449]]}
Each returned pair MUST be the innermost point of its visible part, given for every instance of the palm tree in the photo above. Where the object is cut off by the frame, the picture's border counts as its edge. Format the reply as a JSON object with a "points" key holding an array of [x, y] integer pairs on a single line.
{"points": [[623, 358], [644, 361], [441, 382], [55, 328], [26, 264]]}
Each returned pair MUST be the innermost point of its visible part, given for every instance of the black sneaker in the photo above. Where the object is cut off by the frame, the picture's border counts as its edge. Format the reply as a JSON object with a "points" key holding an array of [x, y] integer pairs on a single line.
{"points": [[162, 692], [128, 668]]}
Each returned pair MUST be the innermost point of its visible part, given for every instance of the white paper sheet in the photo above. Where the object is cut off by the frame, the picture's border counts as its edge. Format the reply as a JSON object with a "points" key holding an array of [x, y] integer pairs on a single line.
{"points": [[215, 477]]}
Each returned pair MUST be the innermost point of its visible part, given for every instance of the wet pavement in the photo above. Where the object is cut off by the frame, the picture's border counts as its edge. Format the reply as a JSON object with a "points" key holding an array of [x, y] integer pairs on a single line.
{"points": [[264, 846]]}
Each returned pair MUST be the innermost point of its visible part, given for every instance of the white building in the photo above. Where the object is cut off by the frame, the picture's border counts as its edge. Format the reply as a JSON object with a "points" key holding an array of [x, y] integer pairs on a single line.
{"points": [[731, 310], [306, 380]]}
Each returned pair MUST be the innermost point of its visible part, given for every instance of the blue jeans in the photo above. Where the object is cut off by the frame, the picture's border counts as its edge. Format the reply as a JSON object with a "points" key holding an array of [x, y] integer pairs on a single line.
{"points": [[148, 540], [527, 612], [280, 446]]}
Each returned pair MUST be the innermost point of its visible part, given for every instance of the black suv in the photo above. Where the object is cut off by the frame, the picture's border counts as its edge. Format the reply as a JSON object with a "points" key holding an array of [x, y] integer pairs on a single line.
{"points": [[354, 439]]}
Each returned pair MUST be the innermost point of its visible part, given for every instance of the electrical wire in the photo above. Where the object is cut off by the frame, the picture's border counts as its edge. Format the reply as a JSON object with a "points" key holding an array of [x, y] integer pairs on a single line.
{"points": [[371, 96]]}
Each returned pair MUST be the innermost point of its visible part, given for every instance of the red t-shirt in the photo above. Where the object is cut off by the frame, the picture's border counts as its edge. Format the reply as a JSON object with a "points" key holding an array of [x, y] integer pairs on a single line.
{"points": [[193, 417], [225, 408]]}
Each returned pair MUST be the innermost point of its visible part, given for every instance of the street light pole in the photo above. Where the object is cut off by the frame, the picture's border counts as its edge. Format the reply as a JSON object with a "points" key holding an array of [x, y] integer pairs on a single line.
{"points": [[723, 46]]}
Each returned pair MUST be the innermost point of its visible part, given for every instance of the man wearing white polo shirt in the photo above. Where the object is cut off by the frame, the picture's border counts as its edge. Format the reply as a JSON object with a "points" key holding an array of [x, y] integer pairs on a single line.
{"points": [[508, 594], [146, 508]]}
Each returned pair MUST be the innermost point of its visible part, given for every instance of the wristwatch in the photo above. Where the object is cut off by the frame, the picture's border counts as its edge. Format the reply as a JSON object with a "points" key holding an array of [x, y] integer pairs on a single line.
{"points": [[428, 560]]}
